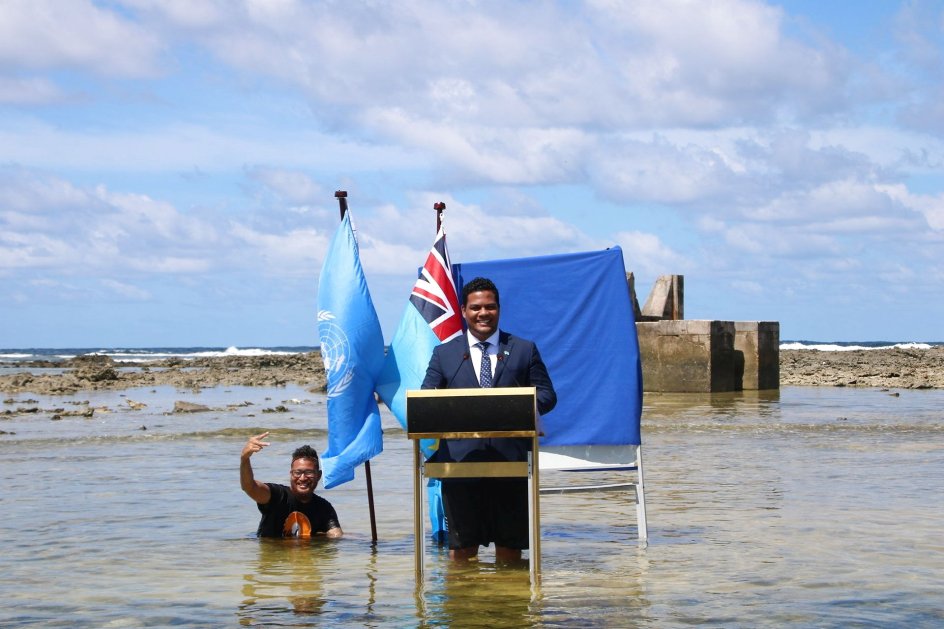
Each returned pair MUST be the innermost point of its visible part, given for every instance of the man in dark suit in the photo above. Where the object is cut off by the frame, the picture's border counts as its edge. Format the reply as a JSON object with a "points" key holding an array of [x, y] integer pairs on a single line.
{"points": [[484, 510]]}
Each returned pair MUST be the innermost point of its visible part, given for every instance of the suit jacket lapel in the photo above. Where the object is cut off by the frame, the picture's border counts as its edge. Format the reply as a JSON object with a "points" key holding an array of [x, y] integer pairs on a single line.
{"points": [[504, 350], [466, 371]]}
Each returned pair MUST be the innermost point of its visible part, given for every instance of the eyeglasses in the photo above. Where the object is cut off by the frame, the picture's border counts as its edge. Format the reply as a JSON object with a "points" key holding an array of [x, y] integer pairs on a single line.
{"points": [[305, 473]]}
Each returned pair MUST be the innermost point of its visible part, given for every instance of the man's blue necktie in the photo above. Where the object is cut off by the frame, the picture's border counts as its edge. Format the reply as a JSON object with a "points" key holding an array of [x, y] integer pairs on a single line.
{"points": [[485, 371]]}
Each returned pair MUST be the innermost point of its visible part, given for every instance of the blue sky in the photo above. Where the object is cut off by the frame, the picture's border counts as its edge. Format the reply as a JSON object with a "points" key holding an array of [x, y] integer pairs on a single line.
{"points": [[168, 167]]}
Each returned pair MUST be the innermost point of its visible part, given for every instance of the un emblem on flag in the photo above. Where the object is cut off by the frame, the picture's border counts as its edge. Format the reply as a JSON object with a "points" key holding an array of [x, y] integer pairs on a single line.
{"points": [[335, 350]]}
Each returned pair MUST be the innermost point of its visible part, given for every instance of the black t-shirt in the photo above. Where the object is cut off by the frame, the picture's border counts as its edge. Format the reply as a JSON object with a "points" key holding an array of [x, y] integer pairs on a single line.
{"points": [[284, 516]]}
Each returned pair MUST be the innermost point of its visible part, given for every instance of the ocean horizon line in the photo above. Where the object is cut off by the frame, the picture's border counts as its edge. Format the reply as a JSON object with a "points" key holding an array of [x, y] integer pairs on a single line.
{"points": [[144, 353]]}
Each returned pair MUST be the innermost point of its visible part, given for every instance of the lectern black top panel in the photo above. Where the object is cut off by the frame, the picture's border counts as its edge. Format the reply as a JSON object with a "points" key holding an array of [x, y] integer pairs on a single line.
{"points": [[471, 410]]}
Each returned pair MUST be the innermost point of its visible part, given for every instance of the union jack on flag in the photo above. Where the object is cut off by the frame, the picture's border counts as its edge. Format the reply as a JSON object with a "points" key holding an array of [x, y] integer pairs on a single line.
{"points": [[431, 317], [434, 293]]}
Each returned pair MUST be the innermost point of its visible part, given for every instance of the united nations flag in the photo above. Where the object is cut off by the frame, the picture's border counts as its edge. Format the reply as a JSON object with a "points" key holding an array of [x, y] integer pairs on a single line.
{"points": [[353, 352]]}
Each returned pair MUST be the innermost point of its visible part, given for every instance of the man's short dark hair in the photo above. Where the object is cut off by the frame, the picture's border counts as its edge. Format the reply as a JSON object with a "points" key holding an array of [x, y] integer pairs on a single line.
{"points": [[306, 452], [479, 284]]}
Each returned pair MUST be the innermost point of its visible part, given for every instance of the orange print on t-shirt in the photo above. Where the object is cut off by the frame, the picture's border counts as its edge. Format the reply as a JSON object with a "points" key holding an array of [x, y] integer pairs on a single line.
{"points": [[296, 525]]}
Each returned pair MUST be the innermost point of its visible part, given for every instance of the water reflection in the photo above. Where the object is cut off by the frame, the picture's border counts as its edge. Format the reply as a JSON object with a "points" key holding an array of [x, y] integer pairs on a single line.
{"points": [[288, 577], [714, 405], [816, 509], [477, 593]]}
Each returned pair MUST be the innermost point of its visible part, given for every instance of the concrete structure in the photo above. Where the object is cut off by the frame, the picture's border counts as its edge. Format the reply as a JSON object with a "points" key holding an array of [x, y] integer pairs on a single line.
{"points": [[758, 343], [680, 356], [666, 299], [631, 285], [701, 356]]}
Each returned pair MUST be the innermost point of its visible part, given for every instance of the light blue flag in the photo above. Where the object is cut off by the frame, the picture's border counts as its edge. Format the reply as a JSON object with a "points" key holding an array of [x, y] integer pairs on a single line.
{"points": [[406, 362], [405, 367], [431, 317], [353, 352]]}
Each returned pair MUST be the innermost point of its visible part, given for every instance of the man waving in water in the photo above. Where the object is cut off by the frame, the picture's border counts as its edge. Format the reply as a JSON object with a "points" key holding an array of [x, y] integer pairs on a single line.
{"points": [[295, 510]]}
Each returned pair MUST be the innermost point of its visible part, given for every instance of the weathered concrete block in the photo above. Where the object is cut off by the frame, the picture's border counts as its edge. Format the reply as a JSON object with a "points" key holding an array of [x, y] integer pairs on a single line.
{"points": [[631, 284], [666, 299], [689, 355], [759, 344]]}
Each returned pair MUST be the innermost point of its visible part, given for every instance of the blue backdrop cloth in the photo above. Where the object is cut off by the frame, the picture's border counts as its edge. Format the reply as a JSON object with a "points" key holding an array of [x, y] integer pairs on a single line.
{"points": [[352, 348], [576, 307]]}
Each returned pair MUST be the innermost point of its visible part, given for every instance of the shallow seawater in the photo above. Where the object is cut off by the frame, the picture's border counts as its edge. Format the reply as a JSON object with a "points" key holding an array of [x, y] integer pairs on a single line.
{"points": [[807, 507]]}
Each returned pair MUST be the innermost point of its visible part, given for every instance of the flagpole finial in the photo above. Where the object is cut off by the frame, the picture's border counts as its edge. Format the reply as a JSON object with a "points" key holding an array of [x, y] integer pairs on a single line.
{"points": [[439, 206], [341, 196]]}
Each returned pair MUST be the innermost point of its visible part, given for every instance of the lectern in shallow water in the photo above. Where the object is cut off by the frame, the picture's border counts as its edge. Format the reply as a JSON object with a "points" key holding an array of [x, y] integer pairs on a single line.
{"points": [[475, 414]]}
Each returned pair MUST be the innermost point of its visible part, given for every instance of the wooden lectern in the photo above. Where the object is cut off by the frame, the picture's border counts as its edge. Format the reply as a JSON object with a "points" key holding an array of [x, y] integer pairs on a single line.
{"points": [[474, 414]]}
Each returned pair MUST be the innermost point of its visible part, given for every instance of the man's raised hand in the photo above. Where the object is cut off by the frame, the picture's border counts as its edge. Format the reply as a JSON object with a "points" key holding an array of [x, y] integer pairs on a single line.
{"points": [[255, 444]]}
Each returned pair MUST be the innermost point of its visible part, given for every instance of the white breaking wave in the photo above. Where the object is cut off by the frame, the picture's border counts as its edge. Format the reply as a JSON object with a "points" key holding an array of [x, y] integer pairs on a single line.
{"points": [[125, 356], [236, 351], [831, 347], [144, 354]]}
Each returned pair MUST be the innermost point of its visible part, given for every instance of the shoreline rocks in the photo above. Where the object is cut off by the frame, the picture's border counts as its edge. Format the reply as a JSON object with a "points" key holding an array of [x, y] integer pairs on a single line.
{"points": [[84, 373], [892, 368]]}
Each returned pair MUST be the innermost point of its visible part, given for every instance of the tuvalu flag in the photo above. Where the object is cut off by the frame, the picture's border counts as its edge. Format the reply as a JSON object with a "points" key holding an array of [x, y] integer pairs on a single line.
{"points": [[352, 348], [431, 317]]}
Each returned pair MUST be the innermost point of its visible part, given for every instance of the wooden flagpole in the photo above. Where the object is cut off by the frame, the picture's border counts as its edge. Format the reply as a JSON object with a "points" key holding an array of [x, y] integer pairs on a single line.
{"points": [[439, 207], [341, 196]]}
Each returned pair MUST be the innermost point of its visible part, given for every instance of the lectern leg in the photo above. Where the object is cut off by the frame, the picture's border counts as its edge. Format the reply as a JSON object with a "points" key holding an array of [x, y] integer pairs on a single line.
{"points": [[534, 516], [419, 537]]}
